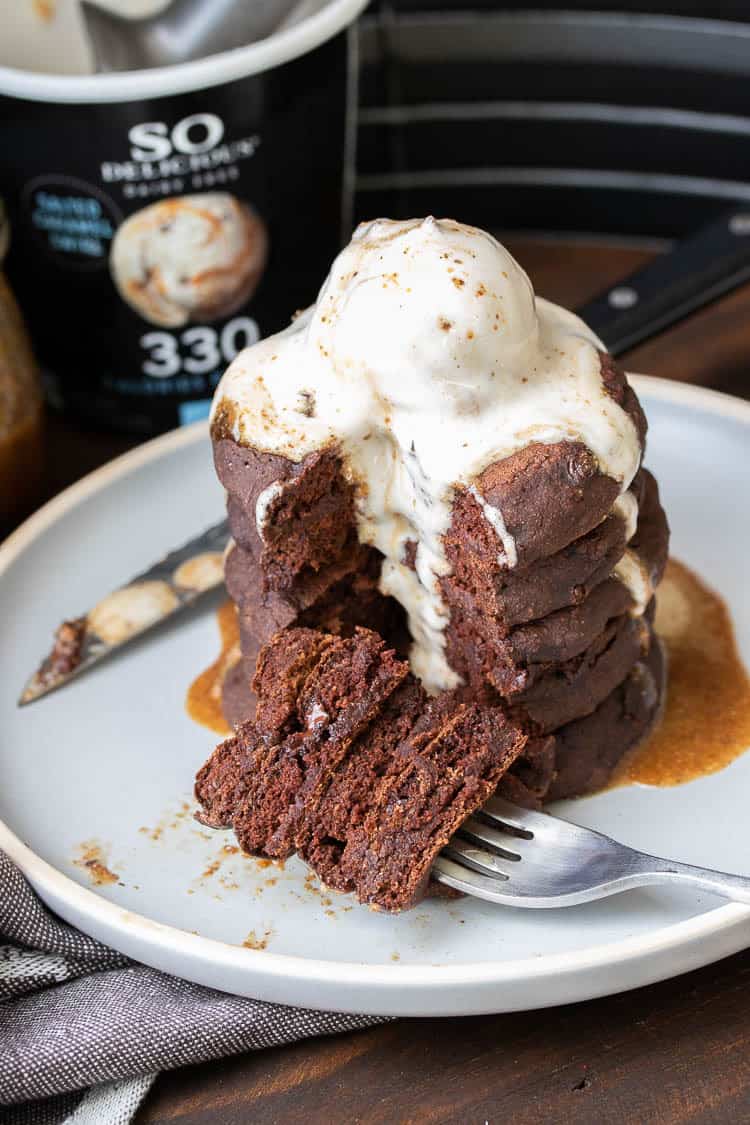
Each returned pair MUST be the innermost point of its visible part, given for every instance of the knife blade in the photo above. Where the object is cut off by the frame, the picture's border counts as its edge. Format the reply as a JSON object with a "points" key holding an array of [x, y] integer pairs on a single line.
{"points": [[166, 589]]}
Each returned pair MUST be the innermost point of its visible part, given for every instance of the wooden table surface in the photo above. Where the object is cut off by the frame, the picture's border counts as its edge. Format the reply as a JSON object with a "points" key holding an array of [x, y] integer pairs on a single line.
{"points": [[674, 1052]]}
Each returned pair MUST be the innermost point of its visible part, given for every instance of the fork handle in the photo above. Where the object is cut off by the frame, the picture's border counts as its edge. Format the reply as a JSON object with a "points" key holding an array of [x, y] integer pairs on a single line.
{"points": [[734, 887]]}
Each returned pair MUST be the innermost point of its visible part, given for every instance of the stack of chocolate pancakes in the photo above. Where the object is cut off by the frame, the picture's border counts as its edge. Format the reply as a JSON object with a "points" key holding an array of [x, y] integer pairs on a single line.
{"points": [[437, 456], [563, 638], [445, 555]]}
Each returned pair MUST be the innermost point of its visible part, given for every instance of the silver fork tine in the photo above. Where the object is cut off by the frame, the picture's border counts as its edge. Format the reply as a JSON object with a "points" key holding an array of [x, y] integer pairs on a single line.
{"points": [[497, 808], [478, 859], [509, 844], [470, 882]]}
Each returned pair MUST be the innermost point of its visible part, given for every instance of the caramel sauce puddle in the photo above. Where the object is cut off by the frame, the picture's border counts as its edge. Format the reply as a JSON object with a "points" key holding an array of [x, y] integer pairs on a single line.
{"points": [[706, 719], [203, 702]]}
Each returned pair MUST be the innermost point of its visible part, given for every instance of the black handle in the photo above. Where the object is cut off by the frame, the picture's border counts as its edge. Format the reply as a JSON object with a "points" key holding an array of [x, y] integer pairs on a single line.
{"points": [[697, 271]]}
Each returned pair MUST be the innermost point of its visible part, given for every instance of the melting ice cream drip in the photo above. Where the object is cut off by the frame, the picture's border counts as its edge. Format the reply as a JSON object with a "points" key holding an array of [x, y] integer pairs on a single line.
{"points": [[494, 518], [263, 503], [633, 573], [626, 507], [631, 570], [429, 358]]}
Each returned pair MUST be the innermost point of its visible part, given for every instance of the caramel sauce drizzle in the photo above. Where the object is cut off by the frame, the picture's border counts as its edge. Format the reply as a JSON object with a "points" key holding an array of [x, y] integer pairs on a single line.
{"points": [[203, 702], [706, 720]]}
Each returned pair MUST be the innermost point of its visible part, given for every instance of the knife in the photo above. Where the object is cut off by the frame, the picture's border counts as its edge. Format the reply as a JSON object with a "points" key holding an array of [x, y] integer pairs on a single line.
{"points": [[165, 590], [697, 271]]}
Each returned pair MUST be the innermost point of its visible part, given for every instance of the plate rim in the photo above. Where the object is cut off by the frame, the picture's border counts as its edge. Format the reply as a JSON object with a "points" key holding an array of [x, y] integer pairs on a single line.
{"points": [[108, 916]]}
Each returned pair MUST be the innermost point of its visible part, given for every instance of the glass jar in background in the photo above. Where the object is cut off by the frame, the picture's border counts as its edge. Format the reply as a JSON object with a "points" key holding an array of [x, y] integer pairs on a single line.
{"points": [[21, 407]]}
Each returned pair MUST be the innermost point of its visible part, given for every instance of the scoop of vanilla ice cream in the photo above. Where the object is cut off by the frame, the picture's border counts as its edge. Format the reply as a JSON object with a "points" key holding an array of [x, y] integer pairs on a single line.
{"points": [[427, 312]]}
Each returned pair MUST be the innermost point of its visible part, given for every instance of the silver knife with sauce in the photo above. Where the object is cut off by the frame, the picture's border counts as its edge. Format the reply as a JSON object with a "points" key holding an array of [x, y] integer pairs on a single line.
{"points": [[168, 587]]}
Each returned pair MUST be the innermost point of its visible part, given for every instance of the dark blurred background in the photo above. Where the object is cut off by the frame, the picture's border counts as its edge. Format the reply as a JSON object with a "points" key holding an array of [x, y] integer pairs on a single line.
{"points": [[620, 118]]}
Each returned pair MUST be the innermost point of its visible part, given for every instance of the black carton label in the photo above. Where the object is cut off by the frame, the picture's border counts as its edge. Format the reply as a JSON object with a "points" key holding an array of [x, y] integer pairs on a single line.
{"points": [[152, 240]]}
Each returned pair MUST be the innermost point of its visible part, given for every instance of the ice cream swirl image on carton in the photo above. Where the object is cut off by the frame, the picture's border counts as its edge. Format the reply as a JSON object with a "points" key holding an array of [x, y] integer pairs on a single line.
{"points": [[192, 258]]}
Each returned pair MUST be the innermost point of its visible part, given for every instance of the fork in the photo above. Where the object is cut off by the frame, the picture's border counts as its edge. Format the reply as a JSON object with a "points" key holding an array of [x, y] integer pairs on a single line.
{"points": [[516, 857]]}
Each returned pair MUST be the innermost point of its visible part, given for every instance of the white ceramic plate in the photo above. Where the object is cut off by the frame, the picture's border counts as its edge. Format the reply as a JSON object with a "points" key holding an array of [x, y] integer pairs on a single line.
{"points": [[114, 753]]}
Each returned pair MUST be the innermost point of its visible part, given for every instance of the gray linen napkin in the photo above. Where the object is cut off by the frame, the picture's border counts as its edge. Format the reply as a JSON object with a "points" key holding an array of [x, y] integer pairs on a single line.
{"points": [[84, 1030]]}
